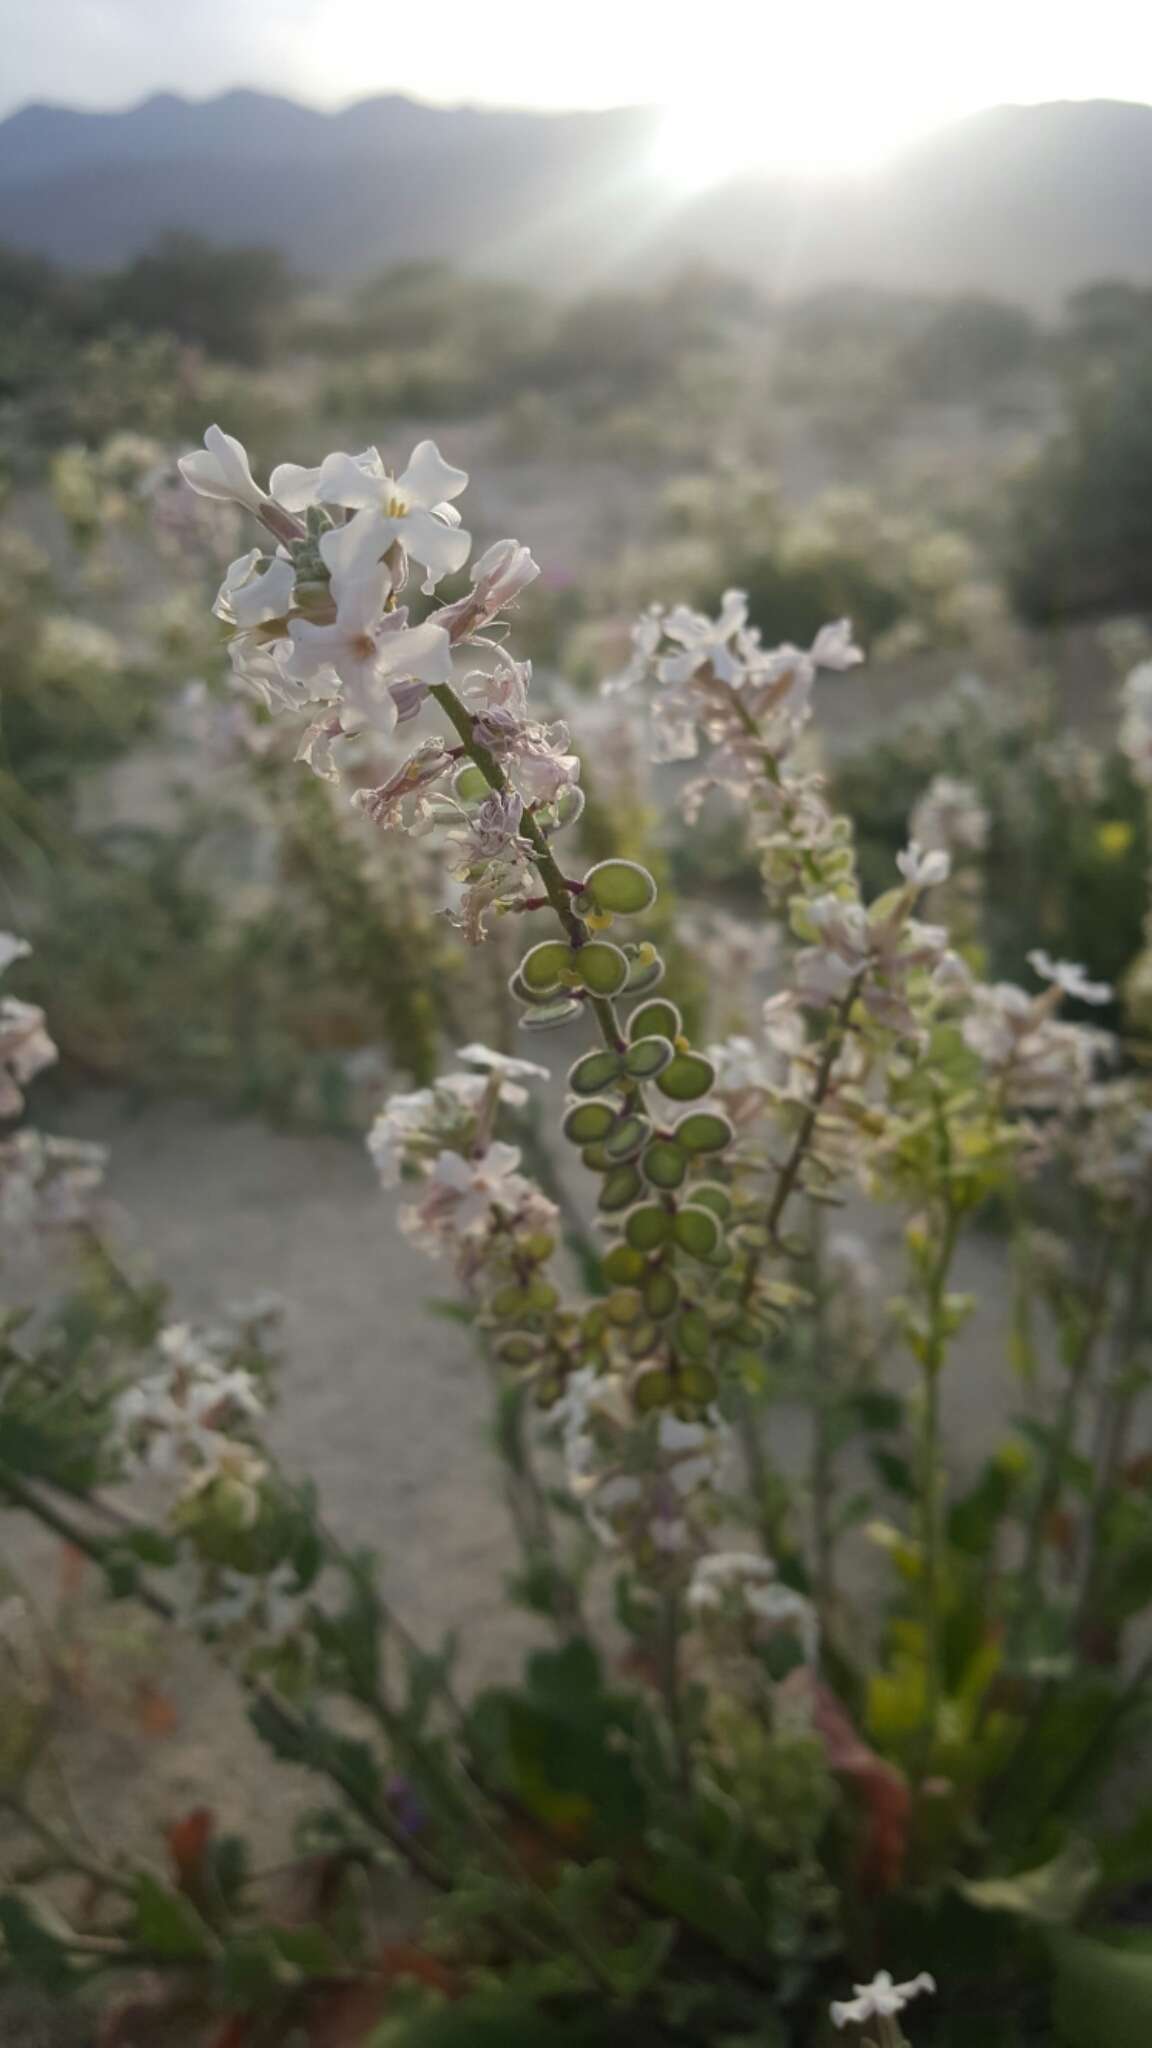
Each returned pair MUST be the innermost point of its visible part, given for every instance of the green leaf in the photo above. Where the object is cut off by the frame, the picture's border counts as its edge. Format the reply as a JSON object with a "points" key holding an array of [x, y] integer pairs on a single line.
{"points": [[1103, 1995], [620, 886], [687, 1077], [166, 1923], [1053, 1893], [550, 1016]]}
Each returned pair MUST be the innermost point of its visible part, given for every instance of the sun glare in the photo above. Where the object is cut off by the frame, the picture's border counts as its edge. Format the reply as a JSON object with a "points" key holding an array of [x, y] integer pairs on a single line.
{"points": [[702, 143]]}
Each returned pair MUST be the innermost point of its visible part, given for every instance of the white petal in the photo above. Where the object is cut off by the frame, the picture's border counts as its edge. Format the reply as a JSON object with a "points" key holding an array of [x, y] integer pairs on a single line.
{"points": [[438, 548], [293, 486], [352, 552], [428, 478]]}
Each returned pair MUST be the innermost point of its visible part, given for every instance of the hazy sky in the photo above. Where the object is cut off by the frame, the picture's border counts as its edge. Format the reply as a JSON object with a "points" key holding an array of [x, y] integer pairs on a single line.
{"points": [[832, 80]]}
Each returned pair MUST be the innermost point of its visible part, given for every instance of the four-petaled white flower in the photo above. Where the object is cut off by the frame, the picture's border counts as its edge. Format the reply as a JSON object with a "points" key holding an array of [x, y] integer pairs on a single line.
{"points": [[479, 1185], [880, 2000], [511, 1072], [221, 470], [706, 643], [1070, 978], [365, 647], [923, 868], [412, 508], [250, 596]]}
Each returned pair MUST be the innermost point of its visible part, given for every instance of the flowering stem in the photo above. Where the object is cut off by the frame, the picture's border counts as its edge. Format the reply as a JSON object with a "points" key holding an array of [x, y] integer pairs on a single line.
{"points": [[932, 1363], [790, 1171], [555, 885]]}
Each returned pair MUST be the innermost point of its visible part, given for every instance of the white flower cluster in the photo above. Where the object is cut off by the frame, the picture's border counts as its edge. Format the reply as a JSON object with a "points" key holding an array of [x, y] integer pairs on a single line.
{"points": [[1136, 722], [638, 1487], [882, 1999], [741, 1586], [181, 1419], [950, 817], [441, 1136], [25, 1047]]}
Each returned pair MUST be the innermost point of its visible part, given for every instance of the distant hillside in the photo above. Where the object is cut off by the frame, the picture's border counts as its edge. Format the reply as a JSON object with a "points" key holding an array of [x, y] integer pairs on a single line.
{"points": [[1025, 201]]}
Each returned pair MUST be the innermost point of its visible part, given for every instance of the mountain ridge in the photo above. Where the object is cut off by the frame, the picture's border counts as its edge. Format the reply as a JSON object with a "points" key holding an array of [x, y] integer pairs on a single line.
{"points": [[1028, 201]]}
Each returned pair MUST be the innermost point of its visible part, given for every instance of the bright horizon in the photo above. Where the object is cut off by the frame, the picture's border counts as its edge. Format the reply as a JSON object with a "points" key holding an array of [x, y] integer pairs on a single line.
{"points": [[832, 92]]}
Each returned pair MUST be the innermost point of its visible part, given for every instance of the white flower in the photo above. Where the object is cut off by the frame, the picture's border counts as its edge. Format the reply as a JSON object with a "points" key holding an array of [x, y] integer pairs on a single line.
{"points": [[511, 1071], [923, 869], [833, 647], [479, 1185], [25, 1049], [220, 470], [249, 596], [367, 646], [881, 1999], [705, 642], [951, 815], [497, 580], [1071, 979], [412, 508], [12, 948]]}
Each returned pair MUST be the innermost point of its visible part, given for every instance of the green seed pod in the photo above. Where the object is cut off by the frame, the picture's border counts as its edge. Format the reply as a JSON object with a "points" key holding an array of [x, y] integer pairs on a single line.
{"points": [[549, 1016], [710, 1194], [626, 1139], [518, 1347], [510, 1300], [622, 1266], [600, 966], [660, 1019], [696, 1231], [647, 1057], [687, 1077], [648, 1227], [542, 1296], [661, 1293], [620, 886], [693, 1334], [594, 1323], [594, 1072], [469, 784], [596, 1159], [620, 1188], [646, 970], [665, 1163], [543, 967], [641, 1339], [697, 1382], [652, 1388], [623, 1306], [704, 1131], [588, 1123]]}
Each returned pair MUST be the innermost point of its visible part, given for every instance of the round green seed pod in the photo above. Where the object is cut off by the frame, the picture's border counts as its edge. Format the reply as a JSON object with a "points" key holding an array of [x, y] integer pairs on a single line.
{"points": [[697, 1382], [518, 1347], [693, 1334], [627, 1137], [620, 886], [601, 967], [549, 1016], [687, 1077], [652, 1388], [647, 1227], [659, 1019], [595, 1071], [661, 1293], [645, 971], [696, 1231], [596, 1159], [588, 1123], [624, 1306], [543, 967], [665, 1163], [641, 1339], [623, 1266], [711, 1194], [621, 1187], [647, 1057], [510, 1300], [704, 1131], [469, 784]]}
